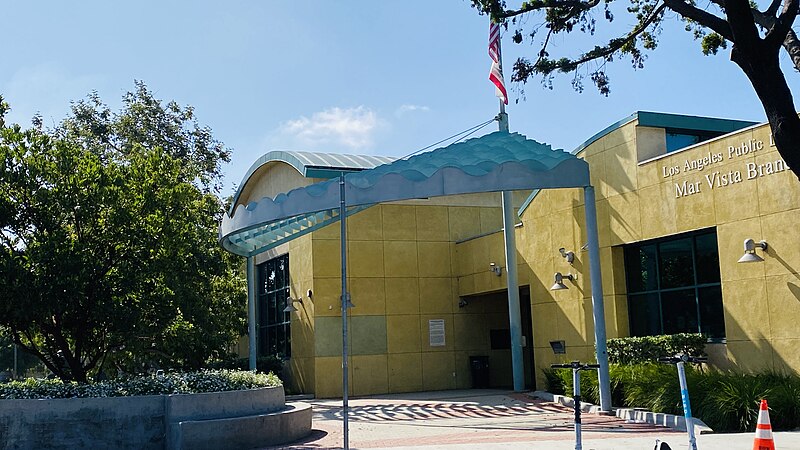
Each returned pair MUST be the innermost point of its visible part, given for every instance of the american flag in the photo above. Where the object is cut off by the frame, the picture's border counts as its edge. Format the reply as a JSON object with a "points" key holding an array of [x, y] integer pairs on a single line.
{"points": [[496, 72]]}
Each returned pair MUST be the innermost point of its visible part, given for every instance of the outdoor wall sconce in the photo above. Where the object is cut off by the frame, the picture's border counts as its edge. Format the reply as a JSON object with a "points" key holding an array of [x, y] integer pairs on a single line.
{"points": [[750, 251], [495, 269], [559, 281], [569, 256], [290, 308], [462, 303]]}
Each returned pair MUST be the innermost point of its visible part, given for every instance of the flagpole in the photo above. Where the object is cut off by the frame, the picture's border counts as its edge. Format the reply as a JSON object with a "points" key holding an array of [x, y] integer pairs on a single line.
{"points": [[509, 221], [502, 118], [509, 225]]}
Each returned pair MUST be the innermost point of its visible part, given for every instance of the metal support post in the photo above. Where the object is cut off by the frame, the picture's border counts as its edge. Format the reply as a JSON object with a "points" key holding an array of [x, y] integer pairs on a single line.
{"points": [[345, 302], [598, 309], [514, 315], [251, 311]]}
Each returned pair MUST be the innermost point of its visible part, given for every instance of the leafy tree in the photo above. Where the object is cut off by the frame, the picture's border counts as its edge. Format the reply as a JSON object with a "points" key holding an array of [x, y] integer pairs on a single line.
{"points": [[25, 362], [756, 37], [108, 239]]}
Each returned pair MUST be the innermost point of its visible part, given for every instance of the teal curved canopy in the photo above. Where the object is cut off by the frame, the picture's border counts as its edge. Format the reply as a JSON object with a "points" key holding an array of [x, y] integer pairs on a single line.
{"points": [[314, 164], [499, 161]]}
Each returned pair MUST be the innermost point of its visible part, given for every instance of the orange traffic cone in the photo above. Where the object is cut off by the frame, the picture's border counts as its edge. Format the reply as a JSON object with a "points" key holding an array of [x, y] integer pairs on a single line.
{"points": [[763, 430]]}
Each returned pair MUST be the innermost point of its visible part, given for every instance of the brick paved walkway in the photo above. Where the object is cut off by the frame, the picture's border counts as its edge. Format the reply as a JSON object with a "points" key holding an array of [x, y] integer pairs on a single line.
{"points": [[453, 418]]}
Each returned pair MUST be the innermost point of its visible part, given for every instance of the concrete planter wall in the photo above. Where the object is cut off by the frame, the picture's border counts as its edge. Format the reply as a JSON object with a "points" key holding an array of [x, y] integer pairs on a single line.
{"points": [[239, 419]]}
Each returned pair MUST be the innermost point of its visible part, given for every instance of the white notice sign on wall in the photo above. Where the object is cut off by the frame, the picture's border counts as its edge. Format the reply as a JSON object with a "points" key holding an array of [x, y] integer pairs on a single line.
{"points": [[436, 332]]}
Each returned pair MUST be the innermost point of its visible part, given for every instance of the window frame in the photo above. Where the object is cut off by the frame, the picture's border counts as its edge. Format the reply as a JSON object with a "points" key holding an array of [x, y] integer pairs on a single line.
{"points": [[658, 291], [280, 324]]}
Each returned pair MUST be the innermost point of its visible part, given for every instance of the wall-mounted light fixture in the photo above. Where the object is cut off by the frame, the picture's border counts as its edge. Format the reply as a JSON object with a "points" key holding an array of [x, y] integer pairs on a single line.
{"points": [[559, 281], [569, 256], [291, 301], [750, 251], [462, 303], [309, 294], [495, 269]]}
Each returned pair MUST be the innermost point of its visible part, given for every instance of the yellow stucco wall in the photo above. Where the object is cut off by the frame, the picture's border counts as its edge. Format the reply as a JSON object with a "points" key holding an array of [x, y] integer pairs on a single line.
{"points": [[301, 365], [401, 262], [638, 201], [411, 262]]}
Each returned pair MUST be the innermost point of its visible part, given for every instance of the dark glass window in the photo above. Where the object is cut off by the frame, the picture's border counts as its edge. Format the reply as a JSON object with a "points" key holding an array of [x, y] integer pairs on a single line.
{"points": [[674, 286], [274, 334], [645, 313], [644, 259], [707, 259], [677, 141], [675, 263]]}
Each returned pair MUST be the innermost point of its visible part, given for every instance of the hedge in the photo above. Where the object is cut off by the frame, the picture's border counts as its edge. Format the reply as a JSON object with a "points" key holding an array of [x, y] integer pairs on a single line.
{"points": [[168, 383], [634, 350], [264, 364]]}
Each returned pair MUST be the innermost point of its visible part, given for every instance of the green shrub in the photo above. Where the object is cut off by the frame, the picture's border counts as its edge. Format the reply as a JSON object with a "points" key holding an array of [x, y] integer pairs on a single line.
{"points": [[784, 398], [726, 401], [733, 403], [654, 387], [264, 364], [560, 381], [634, 350], [555, 383], [169, 383]]}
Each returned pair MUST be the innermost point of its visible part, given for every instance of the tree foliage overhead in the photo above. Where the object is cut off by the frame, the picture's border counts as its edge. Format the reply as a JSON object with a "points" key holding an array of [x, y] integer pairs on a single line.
{"points": [[755, 35], [108, 239]]}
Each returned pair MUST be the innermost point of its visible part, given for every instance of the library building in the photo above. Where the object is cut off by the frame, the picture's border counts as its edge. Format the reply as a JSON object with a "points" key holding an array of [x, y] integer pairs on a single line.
{"points": [[658, 224]]}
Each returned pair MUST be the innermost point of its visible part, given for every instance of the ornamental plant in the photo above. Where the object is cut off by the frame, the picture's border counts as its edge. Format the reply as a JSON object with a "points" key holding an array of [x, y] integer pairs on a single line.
{"points": [[157, 384], [726, 401], [641, 349]]}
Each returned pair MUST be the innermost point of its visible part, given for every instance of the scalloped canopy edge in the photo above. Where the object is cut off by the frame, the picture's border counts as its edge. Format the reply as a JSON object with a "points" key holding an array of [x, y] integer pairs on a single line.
{"points": [[495, 162]]}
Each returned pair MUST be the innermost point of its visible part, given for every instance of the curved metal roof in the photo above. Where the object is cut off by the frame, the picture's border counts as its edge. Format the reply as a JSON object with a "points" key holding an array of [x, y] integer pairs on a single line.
{"points": [[313, 164], [498, 161]]}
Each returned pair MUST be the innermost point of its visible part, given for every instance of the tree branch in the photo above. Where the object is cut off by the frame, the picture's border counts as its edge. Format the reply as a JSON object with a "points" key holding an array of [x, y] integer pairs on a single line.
{"points": [[767, 20], [547, 4], [543, 51], [705, 18], [613, 46], [773, 7], [783, 24], [790, 43], [96, 358], [6, 239], [34, 350], [744, 36]]}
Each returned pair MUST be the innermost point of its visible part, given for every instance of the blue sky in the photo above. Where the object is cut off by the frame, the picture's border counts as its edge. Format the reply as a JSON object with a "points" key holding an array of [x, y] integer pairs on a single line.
{"points": [[365, 77]]}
